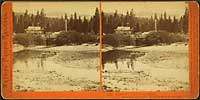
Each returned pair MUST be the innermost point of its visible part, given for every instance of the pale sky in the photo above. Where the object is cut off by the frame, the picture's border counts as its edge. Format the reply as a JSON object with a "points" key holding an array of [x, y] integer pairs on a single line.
{"points": [[56, 9], [141, 9], [146, 9]]}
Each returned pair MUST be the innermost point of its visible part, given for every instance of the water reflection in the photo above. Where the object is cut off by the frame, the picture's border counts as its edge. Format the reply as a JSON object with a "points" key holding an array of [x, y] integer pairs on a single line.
{"points": [[26, 62], [31, 57], [116, 56], [116, 64]]}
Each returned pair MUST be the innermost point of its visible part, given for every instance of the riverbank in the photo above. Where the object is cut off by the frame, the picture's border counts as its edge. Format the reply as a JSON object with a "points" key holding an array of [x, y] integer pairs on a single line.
{"points": [[17, 47], [162, 68], [63, 68], [89, 47]]}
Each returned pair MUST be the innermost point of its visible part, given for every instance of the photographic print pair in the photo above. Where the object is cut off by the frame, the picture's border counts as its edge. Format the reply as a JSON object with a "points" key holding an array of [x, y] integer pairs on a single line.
{"points": [[100, 46]]}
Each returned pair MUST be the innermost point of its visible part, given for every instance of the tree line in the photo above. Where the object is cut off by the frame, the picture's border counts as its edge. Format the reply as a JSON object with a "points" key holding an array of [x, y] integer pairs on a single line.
{"points": [[74, 22], [139, 24], [91, 25]]}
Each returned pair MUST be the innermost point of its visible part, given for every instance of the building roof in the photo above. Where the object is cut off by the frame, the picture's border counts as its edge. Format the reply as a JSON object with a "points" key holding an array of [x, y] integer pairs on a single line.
{"points": [[145, 33], [123, 28], [142, 35], [34, 28], [54, 34]]}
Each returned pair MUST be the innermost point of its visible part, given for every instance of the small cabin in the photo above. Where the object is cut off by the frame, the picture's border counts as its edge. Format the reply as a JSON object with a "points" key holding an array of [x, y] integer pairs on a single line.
{"points": [[34, 30], [123, 30]]}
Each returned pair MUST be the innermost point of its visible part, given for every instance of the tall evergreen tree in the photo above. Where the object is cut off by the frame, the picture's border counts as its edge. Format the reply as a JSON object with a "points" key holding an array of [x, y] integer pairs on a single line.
{"points": [[26, 19], [85, 26], [79, 25], [104, 23], [71, 23], [96, 21], [132, 19], [151, 23], [20, 24], [62, 23], [175, 25], [42, 18], [90, 27], [14, 22], [37, 19], [169, 24], [116, 20], [161, 23], [75, 23], [165, 22], [126, 23], [185, 21]]}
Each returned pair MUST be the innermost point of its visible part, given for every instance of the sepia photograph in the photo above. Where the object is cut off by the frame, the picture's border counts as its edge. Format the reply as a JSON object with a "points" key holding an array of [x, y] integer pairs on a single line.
{"points": [[55, 46], [145, 46], [99, 49]]}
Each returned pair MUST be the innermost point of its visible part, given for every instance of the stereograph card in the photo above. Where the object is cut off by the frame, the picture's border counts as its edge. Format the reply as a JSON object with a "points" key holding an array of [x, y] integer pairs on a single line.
{"points": [[100, 49]]}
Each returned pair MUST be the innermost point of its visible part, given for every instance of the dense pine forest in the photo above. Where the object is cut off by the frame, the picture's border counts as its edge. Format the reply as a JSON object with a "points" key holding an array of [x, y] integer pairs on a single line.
{"points": [[139, 24], [74, 22], [109, 22], [82, 29]]}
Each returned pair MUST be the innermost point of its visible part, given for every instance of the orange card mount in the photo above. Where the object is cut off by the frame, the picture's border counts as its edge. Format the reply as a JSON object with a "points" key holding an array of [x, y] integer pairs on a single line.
{"points": [[7, 62]]}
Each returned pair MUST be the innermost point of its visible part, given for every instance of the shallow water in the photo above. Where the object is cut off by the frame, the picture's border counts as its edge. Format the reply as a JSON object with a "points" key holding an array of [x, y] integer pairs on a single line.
{"points": [[144, 71], [29, 65], [121, 59], [32, 58]]}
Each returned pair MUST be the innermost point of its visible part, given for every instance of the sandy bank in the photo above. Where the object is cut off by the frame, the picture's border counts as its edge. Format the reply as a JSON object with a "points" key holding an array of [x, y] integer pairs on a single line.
{"points": [[17, 47], [71, 68], [162, 68], [66, 48]]}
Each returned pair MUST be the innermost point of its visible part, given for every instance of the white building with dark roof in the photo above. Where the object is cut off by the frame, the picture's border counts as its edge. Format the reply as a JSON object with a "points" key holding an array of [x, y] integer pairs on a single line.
{"points": [[35, 30], [123, 30], [53, 35]]}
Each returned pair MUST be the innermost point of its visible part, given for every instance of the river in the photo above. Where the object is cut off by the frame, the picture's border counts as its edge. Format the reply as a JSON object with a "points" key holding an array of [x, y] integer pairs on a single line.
{"points": [[55, 71]]}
